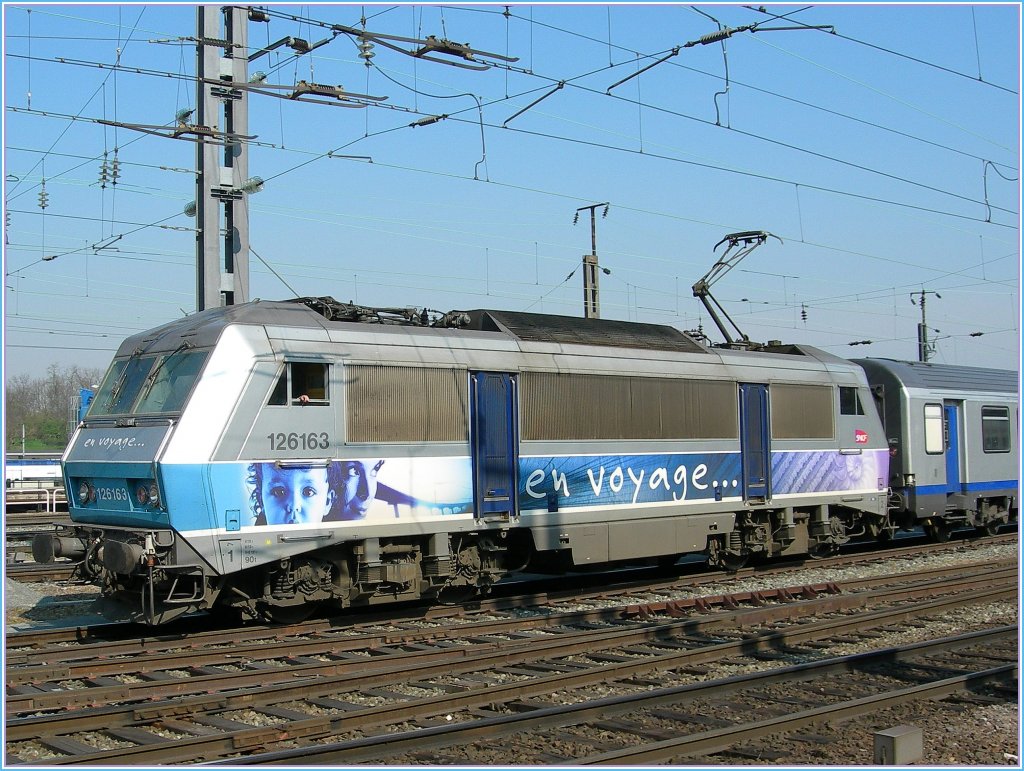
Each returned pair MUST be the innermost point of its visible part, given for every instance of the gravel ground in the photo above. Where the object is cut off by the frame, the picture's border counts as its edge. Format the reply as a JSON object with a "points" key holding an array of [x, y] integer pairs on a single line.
{"points": [[970, 730], [963, 731], [32, 604], [959, 732]]}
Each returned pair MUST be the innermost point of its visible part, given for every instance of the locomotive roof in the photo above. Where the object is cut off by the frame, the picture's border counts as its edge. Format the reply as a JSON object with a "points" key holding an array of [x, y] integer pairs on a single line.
{"points": [[916, 374], [204, 328], [541, 327]]}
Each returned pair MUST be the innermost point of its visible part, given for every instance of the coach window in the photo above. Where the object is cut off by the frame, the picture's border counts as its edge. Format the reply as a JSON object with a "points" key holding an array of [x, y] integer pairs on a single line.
{"points": [[995, 429], [305, 382], [849, 401], [934, 443]]}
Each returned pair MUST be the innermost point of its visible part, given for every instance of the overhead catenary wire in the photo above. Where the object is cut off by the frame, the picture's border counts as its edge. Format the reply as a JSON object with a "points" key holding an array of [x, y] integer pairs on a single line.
{"points": [[87, 102], [789, 146], [466, 177], [819, 108], [915, 59]]}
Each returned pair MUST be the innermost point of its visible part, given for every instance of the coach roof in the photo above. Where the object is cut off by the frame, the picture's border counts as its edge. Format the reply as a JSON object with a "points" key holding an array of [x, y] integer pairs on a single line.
{"points": [[916, 374]]}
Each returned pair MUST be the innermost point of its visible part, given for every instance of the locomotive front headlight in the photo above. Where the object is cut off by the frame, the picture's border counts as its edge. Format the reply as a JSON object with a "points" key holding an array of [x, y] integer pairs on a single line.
{"points": [[142, 494], [154, 495], [84, 492]]}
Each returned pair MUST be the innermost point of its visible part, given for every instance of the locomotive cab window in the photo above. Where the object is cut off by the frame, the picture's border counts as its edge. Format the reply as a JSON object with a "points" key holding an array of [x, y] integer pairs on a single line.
{"points": [[148, 384], [934, 429], [849, 401], [995, 429], [301, 382]]}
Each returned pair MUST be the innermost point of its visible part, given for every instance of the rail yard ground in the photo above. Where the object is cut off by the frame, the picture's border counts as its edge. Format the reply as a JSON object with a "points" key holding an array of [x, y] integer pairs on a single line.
{"points": [[979, 728]]}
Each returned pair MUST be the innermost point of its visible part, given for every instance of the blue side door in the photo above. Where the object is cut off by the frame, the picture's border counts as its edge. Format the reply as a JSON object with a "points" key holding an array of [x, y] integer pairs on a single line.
{"points": [[495, 442], [952, 430], [755, 442]]}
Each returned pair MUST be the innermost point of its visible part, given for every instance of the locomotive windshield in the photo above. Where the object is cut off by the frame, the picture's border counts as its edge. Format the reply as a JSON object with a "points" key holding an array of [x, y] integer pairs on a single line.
{"points": [[148, 384]]}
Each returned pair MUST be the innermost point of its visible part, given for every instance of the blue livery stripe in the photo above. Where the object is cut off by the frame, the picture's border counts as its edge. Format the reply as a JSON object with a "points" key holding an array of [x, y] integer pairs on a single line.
{"points": [[973, 487]]}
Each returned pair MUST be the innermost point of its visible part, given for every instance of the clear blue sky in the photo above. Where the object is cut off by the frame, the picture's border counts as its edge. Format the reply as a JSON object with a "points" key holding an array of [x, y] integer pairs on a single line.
{"points": [[885, 156]]}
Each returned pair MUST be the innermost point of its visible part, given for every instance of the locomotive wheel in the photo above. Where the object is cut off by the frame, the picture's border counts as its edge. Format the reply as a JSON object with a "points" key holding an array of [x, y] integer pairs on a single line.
{"points": [[456, 595], [734, 562], [288, 614], [667, 564]]}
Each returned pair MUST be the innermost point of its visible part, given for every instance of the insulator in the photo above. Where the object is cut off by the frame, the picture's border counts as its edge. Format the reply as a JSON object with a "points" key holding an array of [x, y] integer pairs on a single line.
{"points": [[44, 197], [803, 312], [715, 37], [366, 51], [104, 173], [252, 185], [115, 170]]}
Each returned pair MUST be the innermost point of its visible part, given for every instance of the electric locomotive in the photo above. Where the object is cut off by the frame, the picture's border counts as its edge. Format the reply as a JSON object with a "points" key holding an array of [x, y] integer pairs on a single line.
{"points": [[272, 456]]}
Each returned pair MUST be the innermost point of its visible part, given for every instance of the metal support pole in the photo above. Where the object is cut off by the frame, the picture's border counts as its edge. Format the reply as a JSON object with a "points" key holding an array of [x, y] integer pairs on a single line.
{"points": [[222, 240], [924, 350], [235, 282], [591, 289]]}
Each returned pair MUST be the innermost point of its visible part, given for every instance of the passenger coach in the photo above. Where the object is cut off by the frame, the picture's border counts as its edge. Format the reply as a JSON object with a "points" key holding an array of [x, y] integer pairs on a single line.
{"points": [[953, 442]]}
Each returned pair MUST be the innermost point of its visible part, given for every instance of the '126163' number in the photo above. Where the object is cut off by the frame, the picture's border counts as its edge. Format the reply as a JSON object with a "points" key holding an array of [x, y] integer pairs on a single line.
{"points": [[310, 441]]}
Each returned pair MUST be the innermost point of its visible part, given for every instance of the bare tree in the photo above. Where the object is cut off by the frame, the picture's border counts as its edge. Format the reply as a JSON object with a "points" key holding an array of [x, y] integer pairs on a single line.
{"points": [[42, 405]]}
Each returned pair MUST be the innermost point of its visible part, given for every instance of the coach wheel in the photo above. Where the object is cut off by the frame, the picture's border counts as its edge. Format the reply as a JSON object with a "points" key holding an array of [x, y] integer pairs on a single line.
{"points": [[939, 531], [991, 527]]}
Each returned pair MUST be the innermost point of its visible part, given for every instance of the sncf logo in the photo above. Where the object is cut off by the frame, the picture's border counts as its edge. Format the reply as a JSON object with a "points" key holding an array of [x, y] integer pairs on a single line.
{"points": [[860, 437]]}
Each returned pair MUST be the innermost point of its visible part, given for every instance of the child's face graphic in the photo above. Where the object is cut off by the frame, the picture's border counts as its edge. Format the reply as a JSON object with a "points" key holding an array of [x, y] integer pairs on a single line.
{"points": [[296, 496], [358, 487]]}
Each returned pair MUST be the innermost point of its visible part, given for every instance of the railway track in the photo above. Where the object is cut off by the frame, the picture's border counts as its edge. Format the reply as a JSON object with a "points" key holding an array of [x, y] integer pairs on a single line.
{"points": [[647, 724], [204, 697], [36, 572], [506, 597], [20, 527]]}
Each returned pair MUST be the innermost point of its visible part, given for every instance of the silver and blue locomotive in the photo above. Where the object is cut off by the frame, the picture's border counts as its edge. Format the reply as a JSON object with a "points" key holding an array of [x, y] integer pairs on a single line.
{"points": [[272, 456]]}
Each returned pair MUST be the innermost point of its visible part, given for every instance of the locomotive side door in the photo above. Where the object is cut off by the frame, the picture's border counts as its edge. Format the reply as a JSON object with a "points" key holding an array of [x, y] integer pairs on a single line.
{"points": [[755, 442], [952, 431], [494, 438]]}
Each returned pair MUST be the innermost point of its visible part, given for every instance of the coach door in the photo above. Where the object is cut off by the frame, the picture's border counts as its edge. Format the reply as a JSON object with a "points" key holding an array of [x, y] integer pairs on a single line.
{"points": [[952, 431], [755, 442], [495, 442]]}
